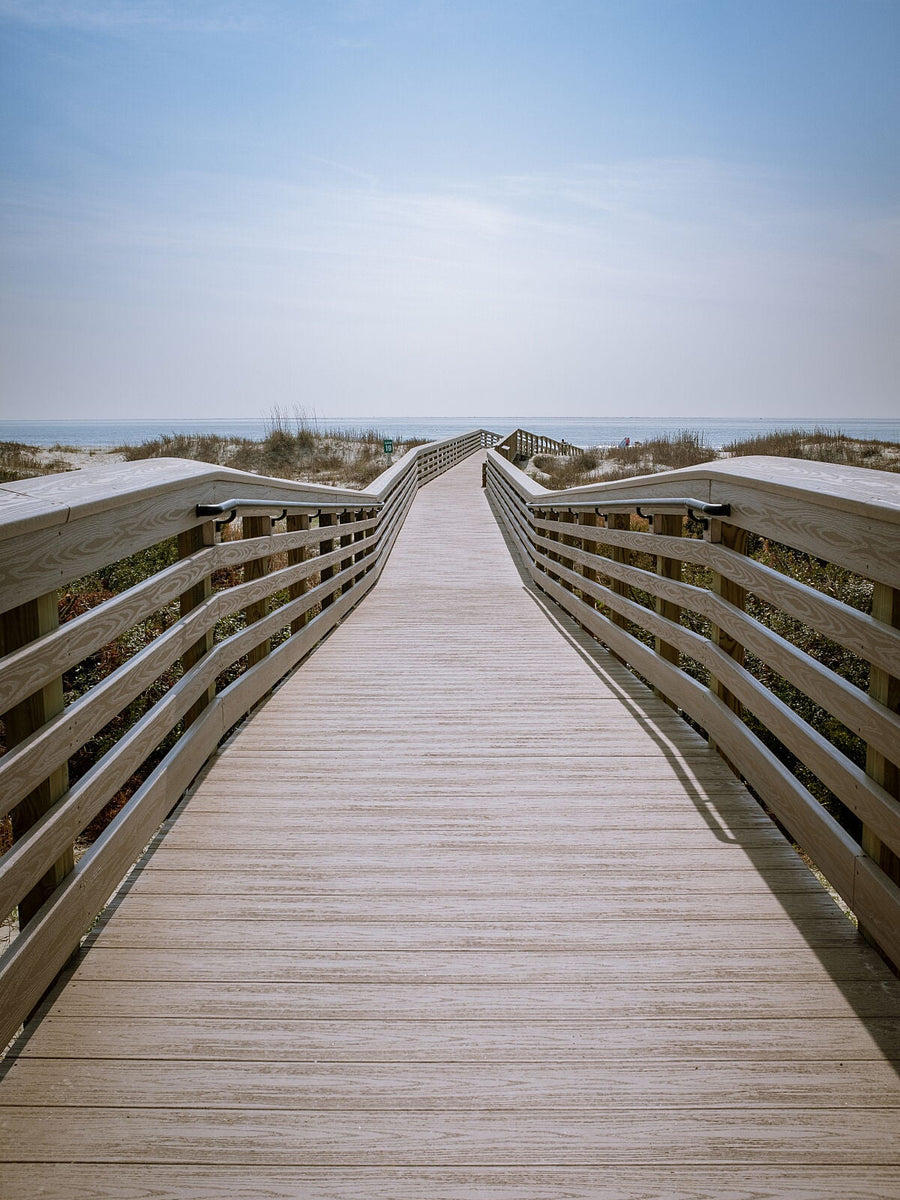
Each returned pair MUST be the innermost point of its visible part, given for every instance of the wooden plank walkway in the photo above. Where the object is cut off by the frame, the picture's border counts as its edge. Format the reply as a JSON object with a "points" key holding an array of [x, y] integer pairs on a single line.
{"points": [[463, 912]]}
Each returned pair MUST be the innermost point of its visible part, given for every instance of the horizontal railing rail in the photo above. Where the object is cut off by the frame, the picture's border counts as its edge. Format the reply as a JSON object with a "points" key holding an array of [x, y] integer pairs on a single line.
{"points": [[747, 649], [89, 720]]}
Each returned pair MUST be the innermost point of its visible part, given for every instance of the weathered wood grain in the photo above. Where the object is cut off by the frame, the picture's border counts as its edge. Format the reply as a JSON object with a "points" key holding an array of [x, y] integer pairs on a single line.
{"points": [[505, 1137], [273, 1001], [589, 1084], [387, 1038], [683, 1182], [542, 965], [243, 933]]}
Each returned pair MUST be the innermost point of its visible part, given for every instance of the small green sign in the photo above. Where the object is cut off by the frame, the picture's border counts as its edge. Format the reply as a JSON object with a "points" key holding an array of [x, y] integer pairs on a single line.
{"points": [[388, 446]]}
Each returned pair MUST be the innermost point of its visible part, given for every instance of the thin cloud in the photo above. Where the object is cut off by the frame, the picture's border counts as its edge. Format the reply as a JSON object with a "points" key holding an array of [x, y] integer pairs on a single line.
{"points": [[117, 16]]}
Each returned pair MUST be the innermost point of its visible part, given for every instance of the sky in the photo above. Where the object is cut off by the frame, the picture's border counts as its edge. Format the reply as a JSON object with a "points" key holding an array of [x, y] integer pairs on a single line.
{"points": [[449, 208]]}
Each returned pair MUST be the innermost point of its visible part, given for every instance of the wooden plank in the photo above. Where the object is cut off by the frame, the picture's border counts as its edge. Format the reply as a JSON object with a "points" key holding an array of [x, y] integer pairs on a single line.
{"points": [[589, 1084], [543, 965], [255, 900], [472, 1001], [386, 1038], [297, 871], [546, 843], [243, 933], [568, 883], [413, 1138], [78, 1181]]}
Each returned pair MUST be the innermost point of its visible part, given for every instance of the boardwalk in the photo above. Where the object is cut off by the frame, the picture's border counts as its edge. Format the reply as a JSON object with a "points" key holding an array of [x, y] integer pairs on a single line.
{"points": [[463, 912]]}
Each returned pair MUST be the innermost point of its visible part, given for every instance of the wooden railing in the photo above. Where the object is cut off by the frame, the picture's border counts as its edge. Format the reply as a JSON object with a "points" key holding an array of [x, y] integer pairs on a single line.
{"points": [[522, 445], [236, 615], [685, 609]]}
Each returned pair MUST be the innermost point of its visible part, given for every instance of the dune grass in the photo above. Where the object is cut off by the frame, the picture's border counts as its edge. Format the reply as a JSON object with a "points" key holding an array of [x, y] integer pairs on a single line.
{"points": [[821, 445], [292, 448], [667, 452], [21, 461], [688, 448]]}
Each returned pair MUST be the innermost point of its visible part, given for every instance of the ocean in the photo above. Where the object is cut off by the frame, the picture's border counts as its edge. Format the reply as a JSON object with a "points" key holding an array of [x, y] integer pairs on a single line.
{"points": [[605, 431]]}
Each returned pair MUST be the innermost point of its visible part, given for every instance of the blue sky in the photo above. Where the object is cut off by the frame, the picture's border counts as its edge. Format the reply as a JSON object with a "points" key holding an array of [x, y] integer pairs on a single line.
{"points": [[435, 208]]}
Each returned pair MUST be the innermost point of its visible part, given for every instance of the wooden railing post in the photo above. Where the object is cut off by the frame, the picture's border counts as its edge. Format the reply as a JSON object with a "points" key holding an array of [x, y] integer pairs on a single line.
{"points": [[347, 518], [731, 538], [667, 525], [359, 536], [565, 540], [537, 515], [619, 554], [295, 557], [592, 520], [189, 542], [553, 535], [885, 689], [326, 520], [252, 527], [18, 627]]}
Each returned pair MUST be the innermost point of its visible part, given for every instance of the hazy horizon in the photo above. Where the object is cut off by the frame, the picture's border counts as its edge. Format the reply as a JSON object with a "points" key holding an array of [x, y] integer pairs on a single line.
{"points": [[437, 209]]}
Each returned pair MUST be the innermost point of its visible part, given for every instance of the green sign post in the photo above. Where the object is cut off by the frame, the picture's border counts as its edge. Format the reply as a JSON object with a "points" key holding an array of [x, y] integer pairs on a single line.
{"points": [[388, 446]]}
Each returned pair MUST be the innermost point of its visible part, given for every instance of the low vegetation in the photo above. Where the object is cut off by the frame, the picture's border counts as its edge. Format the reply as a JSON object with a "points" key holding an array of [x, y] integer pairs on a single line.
{"points": [[688, 448], [821, 445], [292, 448], [350, 458], [21, 461], [664, 453]]}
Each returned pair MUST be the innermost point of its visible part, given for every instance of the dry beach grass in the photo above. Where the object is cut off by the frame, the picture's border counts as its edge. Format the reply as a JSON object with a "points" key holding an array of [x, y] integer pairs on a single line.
{"points": [[689, 448]]}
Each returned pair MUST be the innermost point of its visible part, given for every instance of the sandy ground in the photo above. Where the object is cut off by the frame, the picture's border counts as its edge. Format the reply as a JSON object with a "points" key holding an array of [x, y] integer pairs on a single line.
{"points": [[75, 460]]}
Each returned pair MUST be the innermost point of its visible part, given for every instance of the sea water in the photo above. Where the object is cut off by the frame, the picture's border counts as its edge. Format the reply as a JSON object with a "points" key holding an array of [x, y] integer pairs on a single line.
{"points": [[606, 431]]}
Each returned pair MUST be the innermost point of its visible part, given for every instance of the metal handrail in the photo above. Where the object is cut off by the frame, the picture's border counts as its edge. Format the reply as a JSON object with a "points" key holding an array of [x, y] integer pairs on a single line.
{"points": [[215, 510], [654, 505]]}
